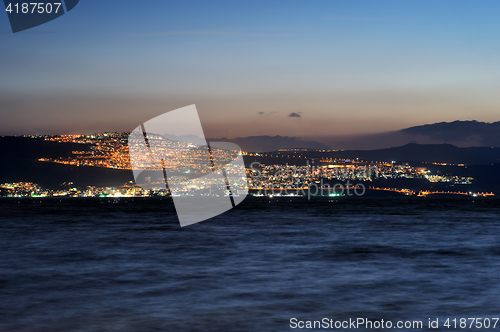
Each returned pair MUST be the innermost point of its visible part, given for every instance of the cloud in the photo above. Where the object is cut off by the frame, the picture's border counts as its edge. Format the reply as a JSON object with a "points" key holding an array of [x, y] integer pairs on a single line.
{"points": [[29, 32], [353, 18], [226, 32], [198, 32], [294, 115], [266, 113]]}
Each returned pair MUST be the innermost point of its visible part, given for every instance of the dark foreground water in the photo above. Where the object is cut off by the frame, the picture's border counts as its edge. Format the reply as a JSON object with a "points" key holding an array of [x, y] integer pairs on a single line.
{"points": [[81, 265]]}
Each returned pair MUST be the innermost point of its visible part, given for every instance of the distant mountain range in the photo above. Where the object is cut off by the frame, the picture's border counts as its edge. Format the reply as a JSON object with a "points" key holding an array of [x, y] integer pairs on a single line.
{"points": [[271, 143], [441, 153], [468, 132], [458, 133], [20, 164], [20, 160]]}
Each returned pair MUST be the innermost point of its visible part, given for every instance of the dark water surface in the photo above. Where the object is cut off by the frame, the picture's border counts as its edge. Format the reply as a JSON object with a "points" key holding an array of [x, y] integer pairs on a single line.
{"points": [[81, 265]]}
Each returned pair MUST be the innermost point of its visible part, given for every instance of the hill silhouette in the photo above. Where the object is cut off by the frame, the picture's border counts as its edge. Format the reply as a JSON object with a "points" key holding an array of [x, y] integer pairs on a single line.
{"points": [[271, 143], [458, 133], [20, 164], [20, 161], [441, 153], [485, 133]]}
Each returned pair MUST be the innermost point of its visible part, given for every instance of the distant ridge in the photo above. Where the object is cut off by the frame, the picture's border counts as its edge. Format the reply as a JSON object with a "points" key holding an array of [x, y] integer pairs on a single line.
{"points": [[412, 152], [21, 161], [21, 165], [484, 133], [459, 133], [271, 143]]}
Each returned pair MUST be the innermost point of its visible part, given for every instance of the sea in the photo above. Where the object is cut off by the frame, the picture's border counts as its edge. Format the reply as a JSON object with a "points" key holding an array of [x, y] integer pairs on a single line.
{"points": [[267, 265]]}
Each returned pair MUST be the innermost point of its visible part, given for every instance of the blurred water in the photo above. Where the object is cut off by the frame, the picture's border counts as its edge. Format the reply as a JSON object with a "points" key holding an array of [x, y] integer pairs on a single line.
{"points": [[85, 265]]}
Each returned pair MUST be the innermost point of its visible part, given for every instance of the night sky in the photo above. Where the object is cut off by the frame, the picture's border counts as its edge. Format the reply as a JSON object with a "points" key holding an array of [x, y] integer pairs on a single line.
{"points": [[296, 68]]}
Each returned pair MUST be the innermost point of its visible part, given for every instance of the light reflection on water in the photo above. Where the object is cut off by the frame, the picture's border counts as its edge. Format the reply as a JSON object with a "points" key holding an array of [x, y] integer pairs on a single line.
{"points": [[75, 266]]}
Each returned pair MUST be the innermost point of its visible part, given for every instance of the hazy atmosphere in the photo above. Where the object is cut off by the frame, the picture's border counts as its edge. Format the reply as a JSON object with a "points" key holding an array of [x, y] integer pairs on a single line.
{"points": [[249, 166], [312, 70]]}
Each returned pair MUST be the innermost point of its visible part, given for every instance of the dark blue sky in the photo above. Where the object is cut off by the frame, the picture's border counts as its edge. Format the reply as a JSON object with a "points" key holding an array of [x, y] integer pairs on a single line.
{"points": [[344, 66]]}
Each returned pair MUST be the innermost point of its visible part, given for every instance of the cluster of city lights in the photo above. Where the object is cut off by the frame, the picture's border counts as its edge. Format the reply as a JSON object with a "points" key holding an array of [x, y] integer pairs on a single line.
{"points": [[190, 162]]}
